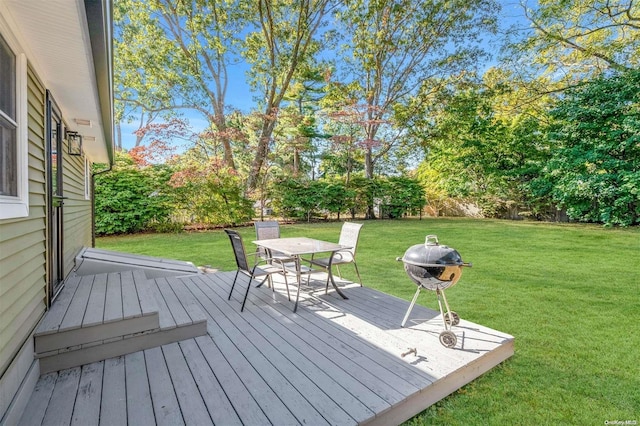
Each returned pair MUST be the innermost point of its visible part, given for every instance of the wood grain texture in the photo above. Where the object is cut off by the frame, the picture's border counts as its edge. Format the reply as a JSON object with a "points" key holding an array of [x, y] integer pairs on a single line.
{"points": [[334, 361]]}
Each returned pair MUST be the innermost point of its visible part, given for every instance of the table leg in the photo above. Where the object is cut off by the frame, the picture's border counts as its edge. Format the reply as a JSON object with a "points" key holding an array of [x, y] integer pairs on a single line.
{"points": [[298, 278], [333, 283]]}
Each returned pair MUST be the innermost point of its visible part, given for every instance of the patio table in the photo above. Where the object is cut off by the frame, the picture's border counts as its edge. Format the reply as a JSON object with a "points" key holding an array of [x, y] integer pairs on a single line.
{"points": [[295, 247]]}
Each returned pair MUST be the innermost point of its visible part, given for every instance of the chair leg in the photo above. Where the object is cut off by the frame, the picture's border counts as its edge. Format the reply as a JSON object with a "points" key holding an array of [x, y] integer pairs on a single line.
{"points": [[233, 285], [247, 292], [339, 273], [295, 305], [286, 284], [355, 265], [270, 283]]}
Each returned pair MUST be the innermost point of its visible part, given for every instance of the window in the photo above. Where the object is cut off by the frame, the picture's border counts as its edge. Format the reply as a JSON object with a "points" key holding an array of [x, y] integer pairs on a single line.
{"points": [[14, 197], [8, 126]]}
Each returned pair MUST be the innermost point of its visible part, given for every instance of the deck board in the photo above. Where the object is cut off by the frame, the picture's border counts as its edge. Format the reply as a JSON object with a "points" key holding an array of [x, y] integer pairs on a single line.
{"points": [[86, 411], [113, 299], [130, 300], [166, 318], [187, 300], [178, 312], [323, 364], [220, 408], [309, 382], [60, 409], [144, 291], [255, 368], [246, 407], [78, 306], [379, 394], [165, 403], [191, 400], [39, 401], [334, 361], [53, 319], [95, 305], [139, 405], [113, 410]]}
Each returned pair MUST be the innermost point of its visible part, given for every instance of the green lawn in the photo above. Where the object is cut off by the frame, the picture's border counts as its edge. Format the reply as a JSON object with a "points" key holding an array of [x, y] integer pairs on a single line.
{"points": [[568, 293]]}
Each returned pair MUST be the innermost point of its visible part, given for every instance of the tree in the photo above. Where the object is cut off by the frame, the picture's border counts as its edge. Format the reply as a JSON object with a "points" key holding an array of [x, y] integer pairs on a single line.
{"points": [[139, 94], [211, 193], [285, 40], [569, 41], [394, 46], [482, 147], [594, 170], [175, 55], [298, 198], [298, 119]]}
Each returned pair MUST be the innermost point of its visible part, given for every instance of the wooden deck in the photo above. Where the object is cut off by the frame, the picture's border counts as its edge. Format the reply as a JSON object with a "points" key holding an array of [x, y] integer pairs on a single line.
{"points": [[335, 362], [101, 316]]}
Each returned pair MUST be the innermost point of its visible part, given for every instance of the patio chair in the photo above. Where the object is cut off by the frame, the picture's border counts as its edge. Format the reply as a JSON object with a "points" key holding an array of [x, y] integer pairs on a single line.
{"points": [[349, 235], [256, 271], [267, 230]]}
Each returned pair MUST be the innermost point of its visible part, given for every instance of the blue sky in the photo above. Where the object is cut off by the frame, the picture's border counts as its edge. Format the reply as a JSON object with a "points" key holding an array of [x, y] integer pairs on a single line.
{"points": [[239, 94]]}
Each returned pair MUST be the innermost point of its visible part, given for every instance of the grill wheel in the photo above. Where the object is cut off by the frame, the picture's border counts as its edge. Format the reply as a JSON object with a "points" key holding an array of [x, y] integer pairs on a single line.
{"points": [[448, 339], [453, 319]]}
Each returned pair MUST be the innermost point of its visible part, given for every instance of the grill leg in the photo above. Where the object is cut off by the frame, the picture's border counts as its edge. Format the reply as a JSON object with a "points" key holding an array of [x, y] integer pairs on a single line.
{"points": [[438, 293], [413, 302], [446, 304]]}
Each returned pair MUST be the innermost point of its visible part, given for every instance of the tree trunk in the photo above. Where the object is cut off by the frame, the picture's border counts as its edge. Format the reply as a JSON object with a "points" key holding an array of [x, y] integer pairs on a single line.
{"points": [[261, 154], [296, 161], [368, 169], [228, 153]]}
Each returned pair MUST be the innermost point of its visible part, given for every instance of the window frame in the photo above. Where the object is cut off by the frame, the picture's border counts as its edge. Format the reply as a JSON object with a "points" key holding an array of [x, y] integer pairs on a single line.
{"points": [[12, 207]]}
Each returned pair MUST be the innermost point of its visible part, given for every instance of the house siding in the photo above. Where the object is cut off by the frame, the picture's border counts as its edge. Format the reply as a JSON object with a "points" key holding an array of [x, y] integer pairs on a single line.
{"points": [[77, 210], [23, 259], [23, 248], [23, 244]]}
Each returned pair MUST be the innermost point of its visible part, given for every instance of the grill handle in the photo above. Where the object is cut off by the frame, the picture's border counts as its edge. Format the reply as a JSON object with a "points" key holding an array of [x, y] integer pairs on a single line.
{"points": [[431, 240]]}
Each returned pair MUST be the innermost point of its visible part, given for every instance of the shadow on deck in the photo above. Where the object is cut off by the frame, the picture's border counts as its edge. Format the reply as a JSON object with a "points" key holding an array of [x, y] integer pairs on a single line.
{"points": [[334, 361]]}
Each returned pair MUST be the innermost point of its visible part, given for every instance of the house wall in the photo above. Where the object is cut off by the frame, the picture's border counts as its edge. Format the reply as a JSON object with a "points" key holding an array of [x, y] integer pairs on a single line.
{"points": [[23, 254], [77, 210], [23, 261]]}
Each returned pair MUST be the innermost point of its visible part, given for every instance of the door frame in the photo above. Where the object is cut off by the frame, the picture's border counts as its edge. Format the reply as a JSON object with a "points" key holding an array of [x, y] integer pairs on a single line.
{"points": [[54, 200]]}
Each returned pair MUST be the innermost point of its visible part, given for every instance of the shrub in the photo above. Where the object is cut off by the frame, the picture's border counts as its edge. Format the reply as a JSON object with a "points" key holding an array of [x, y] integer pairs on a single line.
{"points": [[129, 199]]}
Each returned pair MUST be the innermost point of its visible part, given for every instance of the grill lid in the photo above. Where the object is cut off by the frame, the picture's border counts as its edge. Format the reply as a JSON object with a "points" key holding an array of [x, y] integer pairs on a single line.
{"points": [[432, 254]]}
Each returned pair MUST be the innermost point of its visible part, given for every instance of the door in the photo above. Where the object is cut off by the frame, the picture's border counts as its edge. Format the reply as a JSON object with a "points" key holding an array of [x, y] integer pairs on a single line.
{"points": [[55, 198]]}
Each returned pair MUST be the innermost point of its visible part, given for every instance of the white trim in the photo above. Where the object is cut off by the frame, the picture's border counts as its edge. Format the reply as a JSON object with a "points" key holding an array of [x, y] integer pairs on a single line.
{"points": [[16, 207], [87, 179]]}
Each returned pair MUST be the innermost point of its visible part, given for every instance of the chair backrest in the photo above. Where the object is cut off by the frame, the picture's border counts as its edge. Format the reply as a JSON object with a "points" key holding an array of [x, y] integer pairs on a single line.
{"points": [[238, 249], [349, 236], [267, 230]]}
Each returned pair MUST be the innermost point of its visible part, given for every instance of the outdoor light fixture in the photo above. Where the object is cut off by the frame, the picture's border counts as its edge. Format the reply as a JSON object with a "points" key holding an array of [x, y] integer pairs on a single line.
{"points": [[74, 139]]}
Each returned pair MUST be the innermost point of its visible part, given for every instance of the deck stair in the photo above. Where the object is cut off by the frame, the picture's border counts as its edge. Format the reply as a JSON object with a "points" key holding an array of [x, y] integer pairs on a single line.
{"points": [[96, 317]]}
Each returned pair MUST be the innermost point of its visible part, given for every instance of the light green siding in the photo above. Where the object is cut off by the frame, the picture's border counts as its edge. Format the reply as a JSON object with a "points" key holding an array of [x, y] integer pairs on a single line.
{"points": [[23, 247], [23, 244], [77, 210]]}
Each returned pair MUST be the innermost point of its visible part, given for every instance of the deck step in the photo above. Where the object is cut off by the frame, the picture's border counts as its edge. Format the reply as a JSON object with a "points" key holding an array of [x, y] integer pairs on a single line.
{"points": [[101, 316]]}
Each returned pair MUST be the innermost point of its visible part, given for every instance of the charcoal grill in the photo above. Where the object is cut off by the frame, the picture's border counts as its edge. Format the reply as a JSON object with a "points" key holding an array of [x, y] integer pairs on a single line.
{"points": [[435, 267]]}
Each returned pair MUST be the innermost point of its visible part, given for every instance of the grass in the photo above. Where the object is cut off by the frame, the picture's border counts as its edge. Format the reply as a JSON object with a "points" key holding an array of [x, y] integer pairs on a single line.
{"points": [[567, 293]]}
